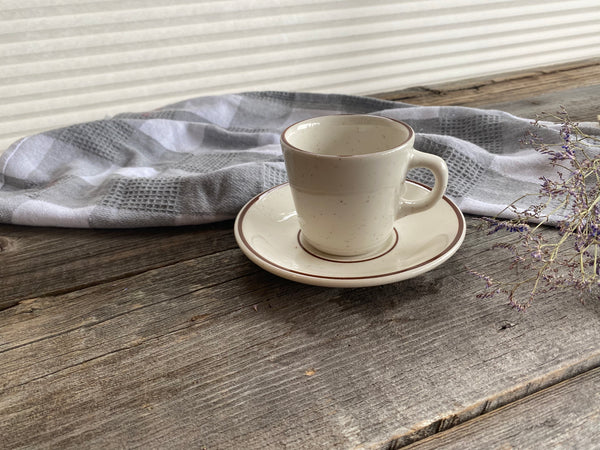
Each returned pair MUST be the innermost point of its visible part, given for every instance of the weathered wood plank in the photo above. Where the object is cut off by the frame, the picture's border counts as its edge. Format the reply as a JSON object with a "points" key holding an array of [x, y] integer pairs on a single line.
{"points": [[45, 261], [214, 351], [508, 87], [584, 100], [566, 415]]}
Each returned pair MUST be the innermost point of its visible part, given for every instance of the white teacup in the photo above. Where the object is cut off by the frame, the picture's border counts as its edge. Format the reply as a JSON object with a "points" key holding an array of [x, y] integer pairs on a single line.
{"points": [[347, 176]]}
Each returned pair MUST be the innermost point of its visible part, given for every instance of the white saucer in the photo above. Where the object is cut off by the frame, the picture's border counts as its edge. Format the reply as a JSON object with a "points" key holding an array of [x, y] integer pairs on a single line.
{"points": [[267, 231]]}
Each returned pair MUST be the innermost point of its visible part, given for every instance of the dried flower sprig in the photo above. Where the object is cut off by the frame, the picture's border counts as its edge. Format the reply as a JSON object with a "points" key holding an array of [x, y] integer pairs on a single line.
{"points": [[568, 258]]}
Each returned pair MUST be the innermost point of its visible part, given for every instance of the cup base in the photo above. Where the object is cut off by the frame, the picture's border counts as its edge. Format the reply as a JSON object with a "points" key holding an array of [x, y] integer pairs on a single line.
{"points": [[385, 248]]}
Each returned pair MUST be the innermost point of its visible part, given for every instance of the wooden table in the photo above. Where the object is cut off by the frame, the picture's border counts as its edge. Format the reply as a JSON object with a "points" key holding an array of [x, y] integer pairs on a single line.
{"points": [[172, 338]]}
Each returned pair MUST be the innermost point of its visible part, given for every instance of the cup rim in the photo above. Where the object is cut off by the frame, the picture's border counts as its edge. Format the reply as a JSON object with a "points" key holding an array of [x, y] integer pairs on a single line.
{"points": [[411, 135]]}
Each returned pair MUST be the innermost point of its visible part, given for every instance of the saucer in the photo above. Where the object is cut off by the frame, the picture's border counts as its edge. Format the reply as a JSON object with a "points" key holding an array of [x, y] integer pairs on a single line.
{"points": [[267, 231]]}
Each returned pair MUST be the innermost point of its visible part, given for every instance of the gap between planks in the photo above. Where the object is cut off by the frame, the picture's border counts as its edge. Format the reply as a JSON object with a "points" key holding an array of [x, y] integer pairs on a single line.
{"points": [[549, 418], [124, 275], [492, 404]]}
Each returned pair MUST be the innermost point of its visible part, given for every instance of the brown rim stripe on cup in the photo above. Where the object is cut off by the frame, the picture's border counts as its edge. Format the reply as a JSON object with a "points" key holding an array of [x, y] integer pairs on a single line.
{"points": [[404, 124], [349, 261], [242, 216]]}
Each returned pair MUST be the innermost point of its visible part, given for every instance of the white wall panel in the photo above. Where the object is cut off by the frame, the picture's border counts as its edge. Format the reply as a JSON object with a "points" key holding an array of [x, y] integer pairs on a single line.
{"points": [[65, 61]]}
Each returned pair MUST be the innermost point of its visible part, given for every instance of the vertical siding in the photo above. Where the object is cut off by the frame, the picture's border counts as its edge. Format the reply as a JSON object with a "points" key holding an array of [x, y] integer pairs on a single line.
{"points": [[65, 61]]}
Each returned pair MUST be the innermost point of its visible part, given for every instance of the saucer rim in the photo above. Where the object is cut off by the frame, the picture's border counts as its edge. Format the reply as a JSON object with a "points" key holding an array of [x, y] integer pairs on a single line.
{"points": [[351, 281]]}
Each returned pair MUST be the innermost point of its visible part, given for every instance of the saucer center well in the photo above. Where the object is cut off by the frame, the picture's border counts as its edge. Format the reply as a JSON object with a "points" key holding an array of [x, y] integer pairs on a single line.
{"points": [[387, 247]]}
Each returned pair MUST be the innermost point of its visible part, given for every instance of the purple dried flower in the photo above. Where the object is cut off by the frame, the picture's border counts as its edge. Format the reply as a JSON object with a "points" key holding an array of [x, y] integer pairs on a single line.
{"points": [[572, 259]]}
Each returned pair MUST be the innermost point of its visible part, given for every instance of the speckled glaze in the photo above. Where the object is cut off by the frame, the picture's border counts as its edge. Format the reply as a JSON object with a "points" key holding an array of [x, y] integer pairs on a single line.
{"points": [[347, 176], [266, 229]]}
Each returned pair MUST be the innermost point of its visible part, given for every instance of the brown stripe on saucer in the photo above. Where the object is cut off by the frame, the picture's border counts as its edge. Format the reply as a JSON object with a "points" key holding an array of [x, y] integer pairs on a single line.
{"points": [[348, 261], [461, 225]]}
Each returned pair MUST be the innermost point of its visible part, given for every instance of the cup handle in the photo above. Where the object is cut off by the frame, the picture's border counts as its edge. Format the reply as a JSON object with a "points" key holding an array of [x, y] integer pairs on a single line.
{"points": [[438, 166]]}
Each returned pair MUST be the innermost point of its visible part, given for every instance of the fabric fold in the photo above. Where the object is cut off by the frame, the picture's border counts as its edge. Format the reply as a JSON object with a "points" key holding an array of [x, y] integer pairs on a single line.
{"points": [[202, 159]]}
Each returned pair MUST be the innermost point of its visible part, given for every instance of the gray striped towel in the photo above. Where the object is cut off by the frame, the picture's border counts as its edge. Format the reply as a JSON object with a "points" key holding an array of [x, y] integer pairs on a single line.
{"points": [[201, 160]]}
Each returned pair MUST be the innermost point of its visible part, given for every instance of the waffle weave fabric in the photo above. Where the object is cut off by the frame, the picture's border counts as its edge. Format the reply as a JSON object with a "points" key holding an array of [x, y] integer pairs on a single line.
{"points": [[201, 160]]}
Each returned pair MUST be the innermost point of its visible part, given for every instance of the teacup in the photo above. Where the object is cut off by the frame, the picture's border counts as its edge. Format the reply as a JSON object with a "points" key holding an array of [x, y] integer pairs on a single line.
{"points": [[347, 177]]}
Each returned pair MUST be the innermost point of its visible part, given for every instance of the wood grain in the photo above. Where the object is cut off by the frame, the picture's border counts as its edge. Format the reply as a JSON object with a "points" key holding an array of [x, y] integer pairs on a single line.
{"points": [[171, 338], [524, 93], [46, 261], [566, 415], [584, 100], [509, 87], [191, 354]]}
